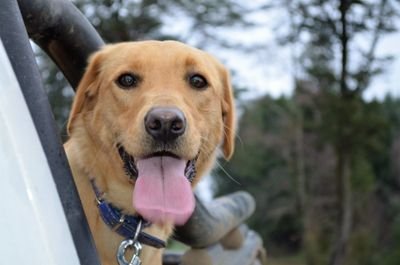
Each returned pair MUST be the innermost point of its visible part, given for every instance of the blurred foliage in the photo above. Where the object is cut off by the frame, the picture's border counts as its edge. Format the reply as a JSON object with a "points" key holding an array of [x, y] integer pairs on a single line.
{"points": [[264, 164], [322, 163]]}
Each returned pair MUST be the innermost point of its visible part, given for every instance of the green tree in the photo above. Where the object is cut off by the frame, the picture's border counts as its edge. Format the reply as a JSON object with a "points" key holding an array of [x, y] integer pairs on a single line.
{"points": [[332, 28], [333, 144]]}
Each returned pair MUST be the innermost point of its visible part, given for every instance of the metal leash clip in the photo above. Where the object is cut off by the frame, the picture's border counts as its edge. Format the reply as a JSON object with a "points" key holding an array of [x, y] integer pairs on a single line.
{"points": [[131, 243]]}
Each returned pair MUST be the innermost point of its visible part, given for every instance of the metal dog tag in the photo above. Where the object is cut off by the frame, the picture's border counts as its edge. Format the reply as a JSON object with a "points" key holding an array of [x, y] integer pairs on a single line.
{"points": [[135, 260]]}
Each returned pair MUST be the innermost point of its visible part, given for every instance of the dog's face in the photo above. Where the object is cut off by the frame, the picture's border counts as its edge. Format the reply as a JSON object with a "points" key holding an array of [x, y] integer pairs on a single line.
{"points": [[165, 108]]}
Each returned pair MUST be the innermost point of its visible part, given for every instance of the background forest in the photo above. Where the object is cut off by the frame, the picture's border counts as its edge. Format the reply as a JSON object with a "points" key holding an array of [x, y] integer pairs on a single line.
{"points": [[323, 162]]}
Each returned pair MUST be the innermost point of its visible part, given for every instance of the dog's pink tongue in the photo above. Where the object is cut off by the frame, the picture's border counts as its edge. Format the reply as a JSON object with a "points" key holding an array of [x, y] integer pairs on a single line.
{"points": [[162, 192]]}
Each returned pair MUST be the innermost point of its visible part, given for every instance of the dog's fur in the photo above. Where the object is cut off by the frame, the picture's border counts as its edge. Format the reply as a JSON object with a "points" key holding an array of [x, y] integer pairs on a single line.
{"points": [[103, 115]]}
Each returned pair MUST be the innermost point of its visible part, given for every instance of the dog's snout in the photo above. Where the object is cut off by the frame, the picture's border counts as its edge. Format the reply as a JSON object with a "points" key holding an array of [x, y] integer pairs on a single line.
{"points": [[165, 124]]}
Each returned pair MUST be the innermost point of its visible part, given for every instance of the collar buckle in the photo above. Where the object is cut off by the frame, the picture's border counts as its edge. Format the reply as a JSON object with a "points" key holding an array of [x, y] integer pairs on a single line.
{"points": [[120, 222]]}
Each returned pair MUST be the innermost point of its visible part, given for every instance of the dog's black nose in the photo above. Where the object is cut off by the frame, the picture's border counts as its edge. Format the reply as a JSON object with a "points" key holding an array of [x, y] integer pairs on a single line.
{"points": [[165, 124]]}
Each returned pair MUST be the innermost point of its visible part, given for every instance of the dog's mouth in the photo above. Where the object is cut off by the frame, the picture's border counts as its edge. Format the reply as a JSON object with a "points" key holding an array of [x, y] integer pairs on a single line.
{"points": [[132, 172], [162, 191]]}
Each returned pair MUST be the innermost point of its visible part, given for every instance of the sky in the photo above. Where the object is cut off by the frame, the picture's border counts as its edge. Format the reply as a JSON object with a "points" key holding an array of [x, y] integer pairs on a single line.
{"points": [[388, 82], [270, 71], [275, 77]]}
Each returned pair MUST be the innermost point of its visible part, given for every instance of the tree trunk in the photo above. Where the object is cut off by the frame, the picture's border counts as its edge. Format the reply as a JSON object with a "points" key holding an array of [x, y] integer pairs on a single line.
{"points": [[339, 253], [299, 166], [303, 207], [343, 148]]}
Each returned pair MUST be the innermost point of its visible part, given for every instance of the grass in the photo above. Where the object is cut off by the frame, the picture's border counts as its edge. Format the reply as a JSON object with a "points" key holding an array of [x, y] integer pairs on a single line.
{"points": [[176, 246]]}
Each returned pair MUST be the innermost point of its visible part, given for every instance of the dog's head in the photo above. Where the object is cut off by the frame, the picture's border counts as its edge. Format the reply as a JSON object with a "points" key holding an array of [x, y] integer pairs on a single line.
{"points": [[164, 108]]}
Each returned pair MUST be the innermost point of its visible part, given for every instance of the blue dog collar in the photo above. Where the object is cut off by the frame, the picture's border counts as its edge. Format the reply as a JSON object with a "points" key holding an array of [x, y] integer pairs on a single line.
{"points": [[124, 225]]}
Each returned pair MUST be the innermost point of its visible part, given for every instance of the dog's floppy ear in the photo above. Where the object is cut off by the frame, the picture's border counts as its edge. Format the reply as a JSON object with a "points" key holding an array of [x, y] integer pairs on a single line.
{"points": [[87, 90], [228, 115]]}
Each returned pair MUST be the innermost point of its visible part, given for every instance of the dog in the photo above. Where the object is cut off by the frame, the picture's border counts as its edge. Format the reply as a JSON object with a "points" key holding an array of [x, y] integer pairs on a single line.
{"points": [[148, 120]]}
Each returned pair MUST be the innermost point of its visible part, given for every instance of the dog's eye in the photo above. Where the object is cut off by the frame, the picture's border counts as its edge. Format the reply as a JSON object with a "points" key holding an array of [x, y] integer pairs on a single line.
{"points": [[198, 81], [126, 81]]}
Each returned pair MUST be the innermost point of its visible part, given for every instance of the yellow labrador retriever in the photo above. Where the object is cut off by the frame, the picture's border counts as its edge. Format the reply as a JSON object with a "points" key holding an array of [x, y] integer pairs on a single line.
{"points": [[146, 123]]}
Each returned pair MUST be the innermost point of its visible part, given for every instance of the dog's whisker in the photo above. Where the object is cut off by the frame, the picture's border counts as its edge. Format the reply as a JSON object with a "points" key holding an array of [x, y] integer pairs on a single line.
{"points": [[239, 139], [226, 129], [227, 174], [206, 154]]}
